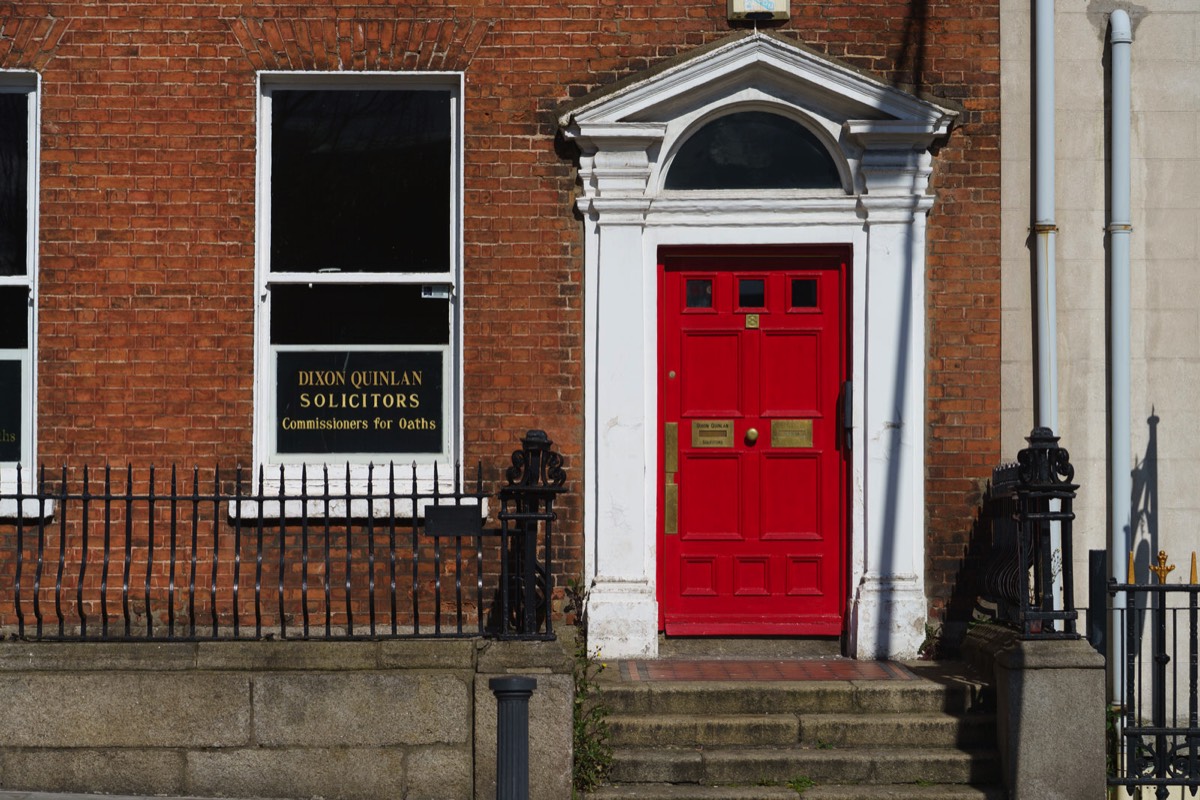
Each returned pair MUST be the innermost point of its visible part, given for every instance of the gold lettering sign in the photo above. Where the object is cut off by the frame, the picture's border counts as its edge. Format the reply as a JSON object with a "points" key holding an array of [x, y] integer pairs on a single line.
{"points": [[791, 433], [360, 401], [712, 433]]}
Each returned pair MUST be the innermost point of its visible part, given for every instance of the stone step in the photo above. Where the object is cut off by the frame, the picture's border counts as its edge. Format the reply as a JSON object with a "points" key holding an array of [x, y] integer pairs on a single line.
{"points": [[674, 791], [973, 730], [683, 730], [670, 791], [764, 697], [814, 730], [906, 792], [773, 765]]}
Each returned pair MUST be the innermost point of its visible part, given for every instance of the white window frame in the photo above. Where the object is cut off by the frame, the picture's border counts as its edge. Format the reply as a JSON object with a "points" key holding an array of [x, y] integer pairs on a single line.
{"points": [[265, 454], [28, 83]]}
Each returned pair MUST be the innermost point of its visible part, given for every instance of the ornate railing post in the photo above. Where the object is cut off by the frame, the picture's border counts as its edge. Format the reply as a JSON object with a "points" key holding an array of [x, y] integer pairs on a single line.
{"points": [[535, 478], [1043, 497]]}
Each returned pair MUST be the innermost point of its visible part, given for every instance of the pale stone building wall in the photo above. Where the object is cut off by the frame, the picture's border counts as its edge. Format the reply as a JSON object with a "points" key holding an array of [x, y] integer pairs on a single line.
{"points": [[1165, 265]]}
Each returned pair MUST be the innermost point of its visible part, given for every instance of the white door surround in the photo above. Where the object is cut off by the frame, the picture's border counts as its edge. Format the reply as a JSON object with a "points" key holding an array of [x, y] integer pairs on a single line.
{"points": [[879, 137]]}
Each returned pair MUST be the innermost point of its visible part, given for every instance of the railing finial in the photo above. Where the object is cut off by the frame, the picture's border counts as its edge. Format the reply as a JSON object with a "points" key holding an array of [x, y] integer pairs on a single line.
{"points": [[536, 464], [1044, 462], [1162, 569]]}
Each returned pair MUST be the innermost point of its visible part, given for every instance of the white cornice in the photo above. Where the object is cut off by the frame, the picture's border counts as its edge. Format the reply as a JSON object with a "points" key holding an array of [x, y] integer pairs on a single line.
{"points": [[897, 134]]}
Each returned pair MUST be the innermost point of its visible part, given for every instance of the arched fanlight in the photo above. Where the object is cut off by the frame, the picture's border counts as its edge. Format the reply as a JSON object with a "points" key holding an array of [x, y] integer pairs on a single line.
{"points": [[753, 150]]}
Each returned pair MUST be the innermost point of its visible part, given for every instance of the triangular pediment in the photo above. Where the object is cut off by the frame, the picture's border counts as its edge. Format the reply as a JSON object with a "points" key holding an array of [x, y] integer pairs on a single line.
{"points": [[770, 67]]}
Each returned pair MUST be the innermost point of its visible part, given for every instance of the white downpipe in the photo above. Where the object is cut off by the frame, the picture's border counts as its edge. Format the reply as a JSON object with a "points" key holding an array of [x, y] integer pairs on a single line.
{"points": [[1044, 226], [1045, 231], [1120, 229]]}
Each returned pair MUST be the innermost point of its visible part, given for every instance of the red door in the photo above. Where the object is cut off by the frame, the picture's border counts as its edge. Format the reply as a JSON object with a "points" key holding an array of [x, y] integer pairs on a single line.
{"points": [[752, 497]]}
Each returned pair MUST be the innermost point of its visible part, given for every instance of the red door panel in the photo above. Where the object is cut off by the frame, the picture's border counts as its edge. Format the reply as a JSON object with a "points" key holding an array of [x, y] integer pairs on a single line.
{"points": [[789, 393], [714, 509], [752, 497], [715, 358], [796, 476]]}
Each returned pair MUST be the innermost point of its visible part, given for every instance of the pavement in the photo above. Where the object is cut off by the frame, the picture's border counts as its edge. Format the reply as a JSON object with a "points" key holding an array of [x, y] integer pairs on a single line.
{"points": [[60, 796]]}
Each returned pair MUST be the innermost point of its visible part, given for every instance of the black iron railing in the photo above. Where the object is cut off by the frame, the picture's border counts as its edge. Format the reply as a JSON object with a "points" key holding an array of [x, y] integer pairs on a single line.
{"points": [[535, 479], [1030, 504], [376, 552], [1157, 730]]}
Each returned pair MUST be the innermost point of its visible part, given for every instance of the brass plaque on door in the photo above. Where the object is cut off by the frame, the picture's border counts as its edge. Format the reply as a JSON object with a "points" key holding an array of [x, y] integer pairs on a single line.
{"points": [[752, 321], [712, 433], [791, 433]]}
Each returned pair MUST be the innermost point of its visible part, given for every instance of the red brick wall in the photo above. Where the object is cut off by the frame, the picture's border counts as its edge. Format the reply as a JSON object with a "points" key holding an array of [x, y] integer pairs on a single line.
{"points": [[147, 211]]}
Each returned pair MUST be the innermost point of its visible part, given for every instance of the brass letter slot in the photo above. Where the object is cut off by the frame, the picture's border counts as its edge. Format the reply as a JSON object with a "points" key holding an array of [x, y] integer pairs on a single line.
{"points": [[791, 433], [712, 433]]}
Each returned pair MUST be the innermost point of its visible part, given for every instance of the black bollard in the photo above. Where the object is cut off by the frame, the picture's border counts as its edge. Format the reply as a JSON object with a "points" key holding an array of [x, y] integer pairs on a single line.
{"points": [[512, 735]]}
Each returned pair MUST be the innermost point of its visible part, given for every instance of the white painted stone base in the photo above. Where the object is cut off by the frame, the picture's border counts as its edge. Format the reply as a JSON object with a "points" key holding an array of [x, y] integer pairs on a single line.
{"points": [[622, 619], [888, 618]]}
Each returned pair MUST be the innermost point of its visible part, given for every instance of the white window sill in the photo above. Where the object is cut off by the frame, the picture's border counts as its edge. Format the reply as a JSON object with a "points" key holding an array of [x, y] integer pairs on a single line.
{"points": [[372, 493], [30, 509], [358, 508]]}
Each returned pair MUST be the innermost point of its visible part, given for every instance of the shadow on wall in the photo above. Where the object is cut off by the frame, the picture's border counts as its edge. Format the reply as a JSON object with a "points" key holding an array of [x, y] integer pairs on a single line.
{"points": [[912, 52], [911, 59], [964, 607], [1142, 532]]}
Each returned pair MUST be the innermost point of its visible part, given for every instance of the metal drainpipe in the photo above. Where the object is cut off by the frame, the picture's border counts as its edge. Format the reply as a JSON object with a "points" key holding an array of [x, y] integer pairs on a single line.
{"points": [[1045, 231], [1044, 226], [1119, 230]]}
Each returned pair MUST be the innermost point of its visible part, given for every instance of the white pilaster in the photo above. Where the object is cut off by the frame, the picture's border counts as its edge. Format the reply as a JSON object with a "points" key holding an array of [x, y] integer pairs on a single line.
{"points": [[622, 606], [889, 604]]}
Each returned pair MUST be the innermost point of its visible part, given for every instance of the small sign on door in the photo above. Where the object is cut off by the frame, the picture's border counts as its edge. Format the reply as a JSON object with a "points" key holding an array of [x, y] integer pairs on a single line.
{"points": [[791, 433], [712, 433]]}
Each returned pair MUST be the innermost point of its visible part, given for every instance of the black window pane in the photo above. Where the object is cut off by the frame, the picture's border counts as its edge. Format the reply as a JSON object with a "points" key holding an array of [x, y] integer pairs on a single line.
{"points": [[753, 150], [14, 167], [360, 180], [14, 317], [751, 293], [804, 293], [699, 294], [11, 393], [388, 314]]}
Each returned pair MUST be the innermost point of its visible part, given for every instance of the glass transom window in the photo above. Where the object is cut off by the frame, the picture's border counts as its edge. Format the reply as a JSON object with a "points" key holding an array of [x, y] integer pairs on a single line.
{"points": [[753, 150]]}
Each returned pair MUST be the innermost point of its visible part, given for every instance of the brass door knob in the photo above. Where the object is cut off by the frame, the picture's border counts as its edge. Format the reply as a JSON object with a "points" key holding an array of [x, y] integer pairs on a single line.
{"points": [[752, 435]]}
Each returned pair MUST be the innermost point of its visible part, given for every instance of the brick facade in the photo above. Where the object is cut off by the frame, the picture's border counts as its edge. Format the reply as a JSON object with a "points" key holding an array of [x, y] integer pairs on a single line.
{"points": [[147, 212]]}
